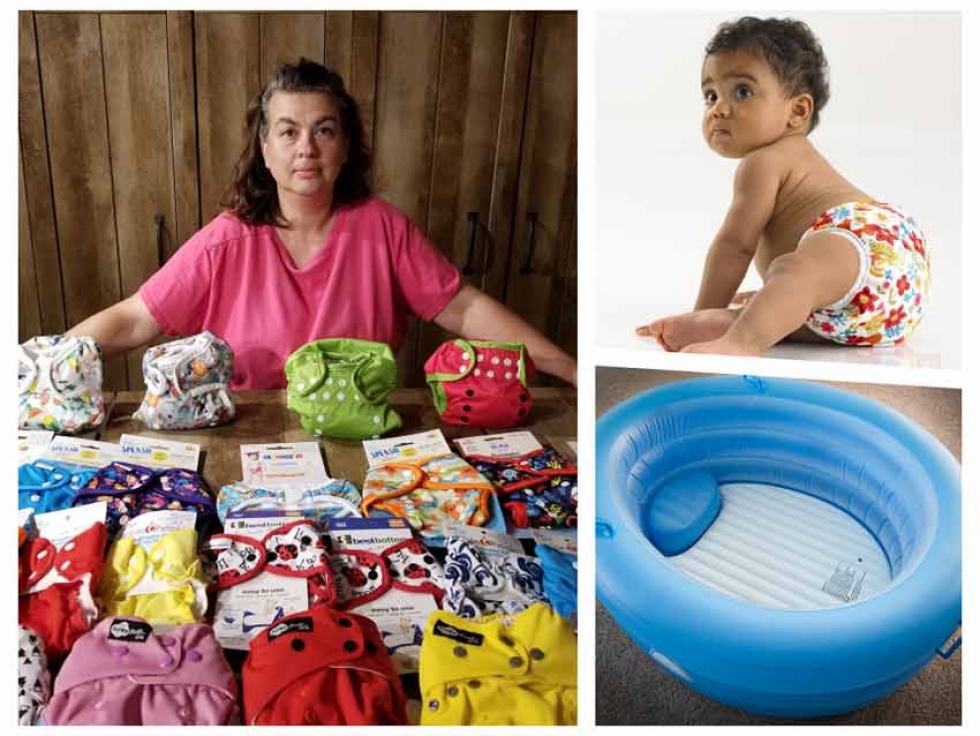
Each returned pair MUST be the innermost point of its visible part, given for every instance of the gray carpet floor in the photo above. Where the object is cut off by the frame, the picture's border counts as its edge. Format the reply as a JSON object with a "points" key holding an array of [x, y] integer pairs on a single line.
{"points": [[631, 689]]}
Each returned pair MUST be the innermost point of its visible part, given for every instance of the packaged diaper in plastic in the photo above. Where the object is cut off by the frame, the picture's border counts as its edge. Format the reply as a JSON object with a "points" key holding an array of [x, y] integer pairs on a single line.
{"points": [[480, 383], [187, 383], [499, 670], [321, 667], [560, 579], [489, 573], [336, 498], [119, 486], [60, 384], [34, 680], [339, 388], [265, 569], [123, 673], [153, 572], [59, 574]]}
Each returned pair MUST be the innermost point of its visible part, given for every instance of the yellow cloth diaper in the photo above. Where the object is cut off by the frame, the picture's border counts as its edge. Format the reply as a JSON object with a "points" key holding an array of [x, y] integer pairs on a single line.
{"points": [[499, 670]]}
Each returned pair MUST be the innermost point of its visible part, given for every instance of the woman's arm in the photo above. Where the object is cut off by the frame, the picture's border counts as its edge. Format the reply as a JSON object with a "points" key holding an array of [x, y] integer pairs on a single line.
{"points": [[121, 327], [476, 316]]}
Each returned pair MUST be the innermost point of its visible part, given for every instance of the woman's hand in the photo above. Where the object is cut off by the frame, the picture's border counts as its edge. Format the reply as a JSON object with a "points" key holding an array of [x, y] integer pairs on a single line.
{"points": [[121, 327]]}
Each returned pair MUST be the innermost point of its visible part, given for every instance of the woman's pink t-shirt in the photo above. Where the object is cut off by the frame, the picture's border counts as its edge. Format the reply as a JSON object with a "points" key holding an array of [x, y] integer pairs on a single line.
{"points": [[239, 282]]}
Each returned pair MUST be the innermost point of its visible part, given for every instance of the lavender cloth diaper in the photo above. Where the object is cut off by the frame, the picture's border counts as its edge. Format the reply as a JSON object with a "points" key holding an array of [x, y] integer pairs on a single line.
{"points": [[122, 674]]}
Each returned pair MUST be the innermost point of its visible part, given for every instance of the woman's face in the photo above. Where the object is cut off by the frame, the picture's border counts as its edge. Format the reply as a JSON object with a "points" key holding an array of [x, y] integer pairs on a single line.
{"points": [[305, 148]]}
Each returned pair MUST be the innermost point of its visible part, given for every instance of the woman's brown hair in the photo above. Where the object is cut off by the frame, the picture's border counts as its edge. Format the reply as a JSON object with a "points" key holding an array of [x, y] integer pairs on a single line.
{"points": [[253, 195]]}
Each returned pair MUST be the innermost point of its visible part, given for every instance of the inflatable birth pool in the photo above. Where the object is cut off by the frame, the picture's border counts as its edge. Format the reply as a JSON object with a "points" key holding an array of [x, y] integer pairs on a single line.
{"points": [[780, 546]]}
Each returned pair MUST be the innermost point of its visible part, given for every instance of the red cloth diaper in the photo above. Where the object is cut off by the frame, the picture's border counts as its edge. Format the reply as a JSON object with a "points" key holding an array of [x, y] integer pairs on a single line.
{"points": [[122, 674], [56, 587], [321, 667], [480, 383]]}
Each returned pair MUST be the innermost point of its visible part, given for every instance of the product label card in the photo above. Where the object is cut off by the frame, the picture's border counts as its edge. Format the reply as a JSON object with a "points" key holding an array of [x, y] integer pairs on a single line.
{"points": [[509, 444], [408, 447], [77, 451], [59, 527], [32, 443], [154, 452], [561, 541], [283, 465], [485, 539]]}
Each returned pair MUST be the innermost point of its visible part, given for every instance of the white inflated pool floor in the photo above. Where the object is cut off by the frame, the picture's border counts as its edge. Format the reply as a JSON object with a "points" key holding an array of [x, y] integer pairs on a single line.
{"points": [[783, 549]]}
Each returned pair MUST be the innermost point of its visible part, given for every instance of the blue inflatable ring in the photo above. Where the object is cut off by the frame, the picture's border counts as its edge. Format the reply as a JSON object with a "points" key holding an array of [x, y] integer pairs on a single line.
{"points": [[864, 458]]}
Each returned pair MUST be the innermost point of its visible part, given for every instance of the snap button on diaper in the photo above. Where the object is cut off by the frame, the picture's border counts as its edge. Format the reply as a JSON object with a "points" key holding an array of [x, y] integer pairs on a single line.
{"points": [[515, 662], [459, 651], [167, 641], [452, 691], [506, 641], [433, 705], [536, 654], [350, 646], [298, 645], [345, 622], [475, 684], [166, 661], [194, 656], [120, 651]]}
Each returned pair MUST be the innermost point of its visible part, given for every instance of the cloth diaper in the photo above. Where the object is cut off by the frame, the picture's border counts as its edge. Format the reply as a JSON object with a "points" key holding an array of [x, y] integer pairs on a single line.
{"points": [[164, 585], [321, 666], [364, 576], [560, 579], [499, 670], [335, 499], [60, 383], [339, 388], [33, 678], [177, 489], [539, 489], [46, 486], [187, 384], [429, 492], [120, 485], [122, 674], [294, 550], [56, 587], [479, 583], [479, 383]]}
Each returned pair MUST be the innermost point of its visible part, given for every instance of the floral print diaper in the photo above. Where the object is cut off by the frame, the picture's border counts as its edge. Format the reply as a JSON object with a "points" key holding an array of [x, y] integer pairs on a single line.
{"points": [[887, 300]]}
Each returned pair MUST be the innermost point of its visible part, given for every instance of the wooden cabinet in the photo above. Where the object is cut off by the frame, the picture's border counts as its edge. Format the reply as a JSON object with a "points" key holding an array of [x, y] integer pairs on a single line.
{"points": [[129, 120]]}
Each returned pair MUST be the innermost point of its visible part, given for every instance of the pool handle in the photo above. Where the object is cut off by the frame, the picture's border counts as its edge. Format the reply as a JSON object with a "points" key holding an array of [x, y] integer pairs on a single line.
{"points": [[947, 649]]}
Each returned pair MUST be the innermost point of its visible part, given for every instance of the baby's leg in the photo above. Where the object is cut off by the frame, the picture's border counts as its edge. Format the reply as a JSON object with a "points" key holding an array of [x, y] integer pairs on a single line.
{"points": [[818, 273]]}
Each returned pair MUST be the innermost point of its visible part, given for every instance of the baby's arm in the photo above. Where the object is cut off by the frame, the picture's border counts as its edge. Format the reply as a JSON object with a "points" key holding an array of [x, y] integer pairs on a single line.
{"points": [[757, 182]]}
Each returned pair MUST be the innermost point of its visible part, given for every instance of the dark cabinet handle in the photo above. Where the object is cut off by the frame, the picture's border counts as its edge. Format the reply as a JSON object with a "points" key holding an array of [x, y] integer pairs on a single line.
{"points": [[532, 221], [158, 221], [474, 220]]}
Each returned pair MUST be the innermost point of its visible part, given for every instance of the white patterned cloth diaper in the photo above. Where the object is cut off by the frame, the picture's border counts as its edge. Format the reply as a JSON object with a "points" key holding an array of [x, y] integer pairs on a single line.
{"points": [[60, 383], [486, 581], [33, 678], [187, 384]]}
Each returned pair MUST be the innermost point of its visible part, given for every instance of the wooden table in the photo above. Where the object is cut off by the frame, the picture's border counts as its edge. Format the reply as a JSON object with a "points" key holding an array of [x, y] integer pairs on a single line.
{"points": [[262, 418]]}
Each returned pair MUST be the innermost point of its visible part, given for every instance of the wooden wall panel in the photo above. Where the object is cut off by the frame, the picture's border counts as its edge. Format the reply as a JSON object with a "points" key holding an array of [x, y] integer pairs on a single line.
{"points": [[408, 75], [471, 73], [338, 42], [227, 55], [38, 205], [138, 107], [363, 80], [75, 111], [183, 121], [510, 131], [285, 37], [548, 166], [28, 309]]}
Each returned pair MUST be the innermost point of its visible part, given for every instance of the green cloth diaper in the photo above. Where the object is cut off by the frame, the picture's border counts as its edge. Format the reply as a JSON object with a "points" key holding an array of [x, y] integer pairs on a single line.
{"points": [[339, 388]]}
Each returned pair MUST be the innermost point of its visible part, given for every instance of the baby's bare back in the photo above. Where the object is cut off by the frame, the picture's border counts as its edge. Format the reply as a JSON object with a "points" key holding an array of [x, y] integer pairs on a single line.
{"points": [[810, 186]]}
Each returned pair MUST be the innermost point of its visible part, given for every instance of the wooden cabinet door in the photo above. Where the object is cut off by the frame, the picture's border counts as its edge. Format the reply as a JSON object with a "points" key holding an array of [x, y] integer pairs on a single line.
{"points": [[542, 261]]}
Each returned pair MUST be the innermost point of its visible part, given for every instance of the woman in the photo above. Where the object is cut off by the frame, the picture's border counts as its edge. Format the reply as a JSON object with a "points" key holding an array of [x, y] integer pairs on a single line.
{"points": [[304, 252]]}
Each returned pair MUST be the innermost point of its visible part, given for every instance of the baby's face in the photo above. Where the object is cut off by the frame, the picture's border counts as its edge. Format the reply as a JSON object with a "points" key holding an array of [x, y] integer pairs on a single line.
{"points": [[745, 107]]}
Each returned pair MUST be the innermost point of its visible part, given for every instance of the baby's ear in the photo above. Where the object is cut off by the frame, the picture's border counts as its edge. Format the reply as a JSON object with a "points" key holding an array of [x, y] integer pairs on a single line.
{"points": [[801, 111]]}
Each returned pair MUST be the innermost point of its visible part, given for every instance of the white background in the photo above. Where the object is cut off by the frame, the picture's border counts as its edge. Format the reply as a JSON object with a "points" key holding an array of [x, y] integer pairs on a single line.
{"points": [[892, 127]]}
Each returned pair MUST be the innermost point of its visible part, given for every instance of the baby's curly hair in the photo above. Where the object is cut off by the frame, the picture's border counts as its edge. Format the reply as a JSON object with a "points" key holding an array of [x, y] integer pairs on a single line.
{"points": [[788, 46]]}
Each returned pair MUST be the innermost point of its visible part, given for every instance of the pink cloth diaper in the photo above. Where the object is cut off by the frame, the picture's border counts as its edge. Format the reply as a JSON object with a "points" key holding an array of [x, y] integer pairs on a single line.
{"points": [[479, 383], [121, 674]]}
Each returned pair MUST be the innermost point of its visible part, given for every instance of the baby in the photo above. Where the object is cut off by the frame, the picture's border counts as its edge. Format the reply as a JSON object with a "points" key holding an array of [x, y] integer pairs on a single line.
{"points": [[836, 264]]}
